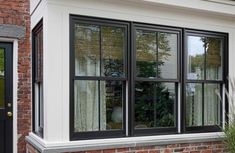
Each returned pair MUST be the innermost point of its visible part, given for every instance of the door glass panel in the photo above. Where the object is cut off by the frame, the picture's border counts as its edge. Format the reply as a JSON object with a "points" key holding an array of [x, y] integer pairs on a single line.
{"points": [[213, 59], [196, 58], [2, 78]]}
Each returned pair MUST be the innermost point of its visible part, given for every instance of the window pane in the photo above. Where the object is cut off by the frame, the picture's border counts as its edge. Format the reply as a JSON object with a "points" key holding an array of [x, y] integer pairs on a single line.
{"points": [[2, 78], [98, 105], [113, 50], [146, 54], [87, 50], [196, 58], [86, 106], [154, 105], [39, 55], [111, 107], [167, 56], [213, 59], [212, 104], [193, 104]]}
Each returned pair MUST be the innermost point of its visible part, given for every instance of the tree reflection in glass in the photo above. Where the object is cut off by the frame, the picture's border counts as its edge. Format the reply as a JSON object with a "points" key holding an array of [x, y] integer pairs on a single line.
{"points": [[113, 47], [156, 54], [214, 49], [154, 104]]}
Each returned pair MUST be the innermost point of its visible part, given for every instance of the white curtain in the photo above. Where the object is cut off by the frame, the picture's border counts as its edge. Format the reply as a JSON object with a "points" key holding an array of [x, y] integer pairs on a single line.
{"points": [[86, 97], [88, 116]]}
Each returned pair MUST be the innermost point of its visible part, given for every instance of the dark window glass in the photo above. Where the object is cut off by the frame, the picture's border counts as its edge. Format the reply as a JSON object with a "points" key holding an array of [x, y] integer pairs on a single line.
{"points": [[146, 54], [113, 47], [154, 105], [2, 78]]}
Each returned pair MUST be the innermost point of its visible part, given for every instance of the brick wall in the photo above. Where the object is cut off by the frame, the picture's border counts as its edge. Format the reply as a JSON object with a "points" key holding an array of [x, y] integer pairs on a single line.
{"points": [[16, 12], [204, 147]]}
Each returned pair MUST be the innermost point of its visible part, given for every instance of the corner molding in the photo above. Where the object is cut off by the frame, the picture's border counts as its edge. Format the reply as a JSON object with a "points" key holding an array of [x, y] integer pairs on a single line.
{"points": [[12, 31]]}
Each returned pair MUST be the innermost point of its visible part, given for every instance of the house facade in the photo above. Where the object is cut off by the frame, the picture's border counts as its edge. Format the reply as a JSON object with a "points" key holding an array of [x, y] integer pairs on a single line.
{"points": [[131, 76], [115, 76]]}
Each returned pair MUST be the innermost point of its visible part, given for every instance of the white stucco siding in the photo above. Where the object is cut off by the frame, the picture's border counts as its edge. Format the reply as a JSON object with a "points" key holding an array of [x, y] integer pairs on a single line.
{"points": [[56, 44]]}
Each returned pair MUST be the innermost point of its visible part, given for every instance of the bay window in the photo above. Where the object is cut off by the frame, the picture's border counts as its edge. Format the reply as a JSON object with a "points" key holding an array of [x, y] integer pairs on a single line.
{"points": [[130, 79]]}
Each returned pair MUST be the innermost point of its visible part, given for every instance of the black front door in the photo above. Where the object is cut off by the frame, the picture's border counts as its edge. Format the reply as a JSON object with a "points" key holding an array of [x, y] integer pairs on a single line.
{"points": [[6, 98]]}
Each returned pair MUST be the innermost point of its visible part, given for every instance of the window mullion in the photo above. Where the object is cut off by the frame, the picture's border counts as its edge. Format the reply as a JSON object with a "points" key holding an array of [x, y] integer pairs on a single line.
{"points": [[101, 53]]}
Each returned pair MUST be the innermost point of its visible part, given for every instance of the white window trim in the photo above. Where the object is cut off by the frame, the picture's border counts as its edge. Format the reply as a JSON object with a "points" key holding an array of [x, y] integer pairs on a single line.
{"points": [[99, 144]]}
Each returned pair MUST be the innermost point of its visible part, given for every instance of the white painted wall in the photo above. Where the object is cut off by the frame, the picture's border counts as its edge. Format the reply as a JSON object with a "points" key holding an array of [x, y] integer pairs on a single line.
{"points": [[55, 15]]}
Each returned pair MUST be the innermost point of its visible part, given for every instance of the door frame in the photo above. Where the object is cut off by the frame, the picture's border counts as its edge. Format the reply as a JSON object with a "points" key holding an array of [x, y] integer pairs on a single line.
{"points": [[15, 87]]}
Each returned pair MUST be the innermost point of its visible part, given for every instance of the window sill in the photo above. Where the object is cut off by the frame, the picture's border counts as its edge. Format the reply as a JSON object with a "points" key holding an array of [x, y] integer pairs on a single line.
{"points": [[82, 145]]}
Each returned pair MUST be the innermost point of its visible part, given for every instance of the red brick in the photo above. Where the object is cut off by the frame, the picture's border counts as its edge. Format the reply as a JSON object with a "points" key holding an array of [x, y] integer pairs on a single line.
{"points": [[167, 151], [154, 151], [109, 151], [122, 149], [206, 151], [94, 151]]}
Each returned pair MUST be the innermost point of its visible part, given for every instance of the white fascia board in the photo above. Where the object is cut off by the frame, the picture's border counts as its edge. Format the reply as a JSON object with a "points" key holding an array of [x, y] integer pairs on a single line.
{"points": [[207, 6]]}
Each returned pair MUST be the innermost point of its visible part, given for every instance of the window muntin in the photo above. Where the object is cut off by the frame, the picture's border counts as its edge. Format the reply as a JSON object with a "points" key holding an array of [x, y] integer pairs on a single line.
{"points": [[37, 69], [99, 78], [159, 48]]}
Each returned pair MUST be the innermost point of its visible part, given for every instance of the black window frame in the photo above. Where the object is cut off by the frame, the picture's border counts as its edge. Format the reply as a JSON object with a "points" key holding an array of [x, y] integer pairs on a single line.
{"points": [[176, 81], [73, 77], [37, 79], [222, 82], [181, 80]]}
